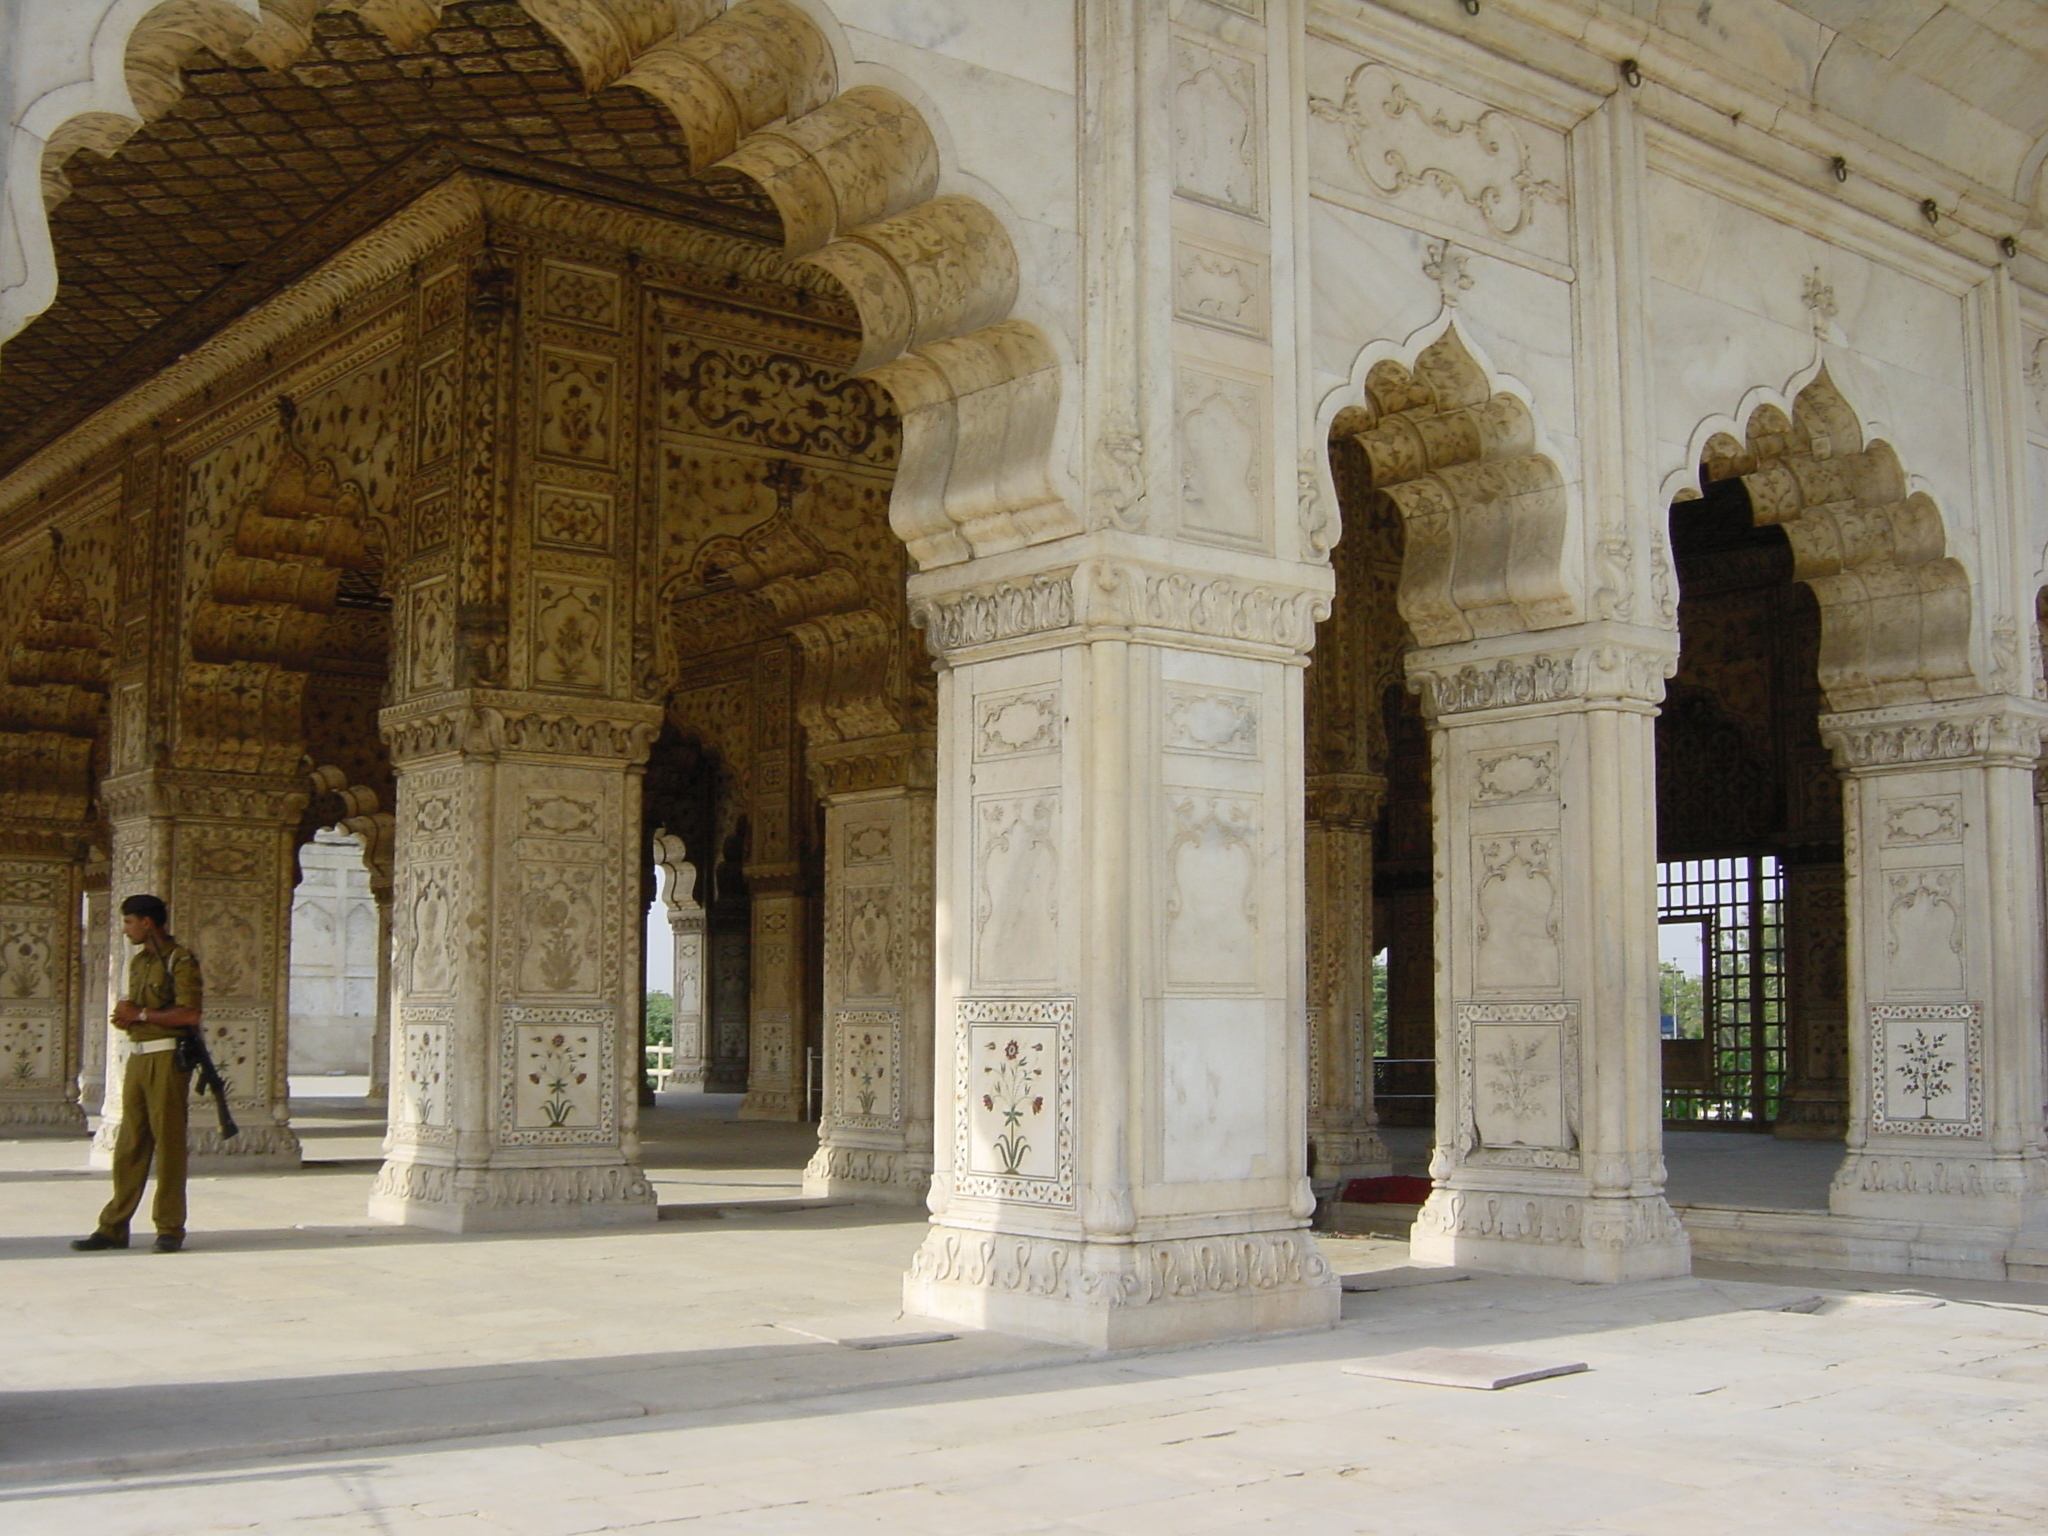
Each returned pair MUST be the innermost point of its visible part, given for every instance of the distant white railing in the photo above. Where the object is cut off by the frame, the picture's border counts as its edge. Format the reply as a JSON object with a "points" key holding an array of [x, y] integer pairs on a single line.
{"points": [[660, 1058]]}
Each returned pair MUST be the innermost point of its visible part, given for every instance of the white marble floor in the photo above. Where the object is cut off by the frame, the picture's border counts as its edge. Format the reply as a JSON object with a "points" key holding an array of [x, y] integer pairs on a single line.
{"points": [[301, 1371]]}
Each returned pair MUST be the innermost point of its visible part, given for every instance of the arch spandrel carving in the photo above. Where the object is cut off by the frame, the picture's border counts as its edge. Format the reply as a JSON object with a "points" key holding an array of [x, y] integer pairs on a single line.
{"points": [[1484, 509], [53, 696], [1895, 605], [853, 174]]}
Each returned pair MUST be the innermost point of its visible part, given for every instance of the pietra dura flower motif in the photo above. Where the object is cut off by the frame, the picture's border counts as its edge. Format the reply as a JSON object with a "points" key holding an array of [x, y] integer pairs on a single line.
{"points": [[1010, 1089]]}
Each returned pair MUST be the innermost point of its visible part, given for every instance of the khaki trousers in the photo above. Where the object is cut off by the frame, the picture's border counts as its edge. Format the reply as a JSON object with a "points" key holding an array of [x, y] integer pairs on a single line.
{"points": [[154, 1096]]}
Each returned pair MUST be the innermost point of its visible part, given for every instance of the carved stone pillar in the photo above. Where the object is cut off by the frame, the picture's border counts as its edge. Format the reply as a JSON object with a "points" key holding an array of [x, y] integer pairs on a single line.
{"points": [[775, 1009], [516, 936], [1342, 1127], [1946, 1071], [1548, 1153], [41, 879], [1816, 1103], [379, 1089], [219, 848], [875, 1135], [728, 982], [686, 926], [95, 940], [1121, 958]]}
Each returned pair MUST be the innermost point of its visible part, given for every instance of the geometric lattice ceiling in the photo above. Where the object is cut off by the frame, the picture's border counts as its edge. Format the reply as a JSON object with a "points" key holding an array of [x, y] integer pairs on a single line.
{"points": [[151, 240]]}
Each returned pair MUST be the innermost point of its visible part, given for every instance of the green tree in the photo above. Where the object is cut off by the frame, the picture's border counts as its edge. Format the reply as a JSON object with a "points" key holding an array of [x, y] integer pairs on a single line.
{"points": [[1684, 998], [1379, 1004], [661, 1018]]}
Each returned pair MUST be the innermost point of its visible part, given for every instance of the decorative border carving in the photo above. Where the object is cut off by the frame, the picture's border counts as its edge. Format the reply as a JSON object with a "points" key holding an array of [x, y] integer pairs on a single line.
{"points": [[1004, 611]]}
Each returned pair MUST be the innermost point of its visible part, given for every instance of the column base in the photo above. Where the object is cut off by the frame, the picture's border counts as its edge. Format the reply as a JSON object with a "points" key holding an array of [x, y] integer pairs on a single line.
{"points": [[725, 1082], [883, 1175], [447, 1199], [685, 1080], [1814, 1114], [1960, 1185], [1350, 1155], [1106, 1296], [41, 1120], [1592, 1239], [772, 1104]]}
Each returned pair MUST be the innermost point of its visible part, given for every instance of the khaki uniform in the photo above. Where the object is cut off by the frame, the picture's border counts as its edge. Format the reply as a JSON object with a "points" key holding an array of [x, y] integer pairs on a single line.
{"points": [[154, 1096]]}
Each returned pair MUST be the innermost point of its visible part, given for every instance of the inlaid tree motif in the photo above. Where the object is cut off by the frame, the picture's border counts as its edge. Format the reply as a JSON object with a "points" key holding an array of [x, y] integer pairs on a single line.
{"points": [[867, 1067], [1923, 1067], [558, 1070], [1010, 1090]]}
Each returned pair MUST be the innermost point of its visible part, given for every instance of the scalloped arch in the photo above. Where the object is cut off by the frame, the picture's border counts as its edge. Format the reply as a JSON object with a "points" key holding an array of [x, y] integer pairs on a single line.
{"points": [[1895, 605], [755, 89], [1482, 506]]}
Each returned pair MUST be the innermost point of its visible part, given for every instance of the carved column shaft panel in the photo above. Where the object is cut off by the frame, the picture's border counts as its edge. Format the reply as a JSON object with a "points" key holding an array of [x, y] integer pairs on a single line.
{"points": [[1548, 1152], [875, 1135], [1946, 1070], [728, 982], [219, 849], [39, 989], [778, 948], [379, 1088], [1122, 1107], [1342, 1126], [1816, 1106]]}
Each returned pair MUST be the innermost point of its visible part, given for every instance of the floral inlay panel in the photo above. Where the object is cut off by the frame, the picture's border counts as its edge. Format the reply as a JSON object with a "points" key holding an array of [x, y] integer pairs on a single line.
{"points": [[1013, 1097], [558, 1075], [1927, 1069], [868, 1057], [1518, 1084]]}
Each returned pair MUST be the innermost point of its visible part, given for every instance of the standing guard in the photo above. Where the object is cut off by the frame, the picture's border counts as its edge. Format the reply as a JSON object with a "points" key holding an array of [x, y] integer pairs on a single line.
{"points": [[162, 1003]]}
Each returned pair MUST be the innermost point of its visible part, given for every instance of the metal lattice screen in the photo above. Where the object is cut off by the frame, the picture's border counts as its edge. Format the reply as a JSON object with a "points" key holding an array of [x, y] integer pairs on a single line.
{"points": [[1723, 1018]]}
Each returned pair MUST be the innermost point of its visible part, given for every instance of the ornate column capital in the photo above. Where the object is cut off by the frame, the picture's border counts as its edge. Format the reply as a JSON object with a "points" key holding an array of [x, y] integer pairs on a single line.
{"points": [[1995, 729], [486, 722], [1345, 799], [908, 760], [1599, 663], [179, 792], [1112, 586]]}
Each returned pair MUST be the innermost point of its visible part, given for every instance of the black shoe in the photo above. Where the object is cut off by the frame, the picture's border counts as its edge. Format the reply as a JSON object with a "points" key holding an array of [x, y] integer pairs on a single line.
{"points": [[98, 1241], [166, 1243]]}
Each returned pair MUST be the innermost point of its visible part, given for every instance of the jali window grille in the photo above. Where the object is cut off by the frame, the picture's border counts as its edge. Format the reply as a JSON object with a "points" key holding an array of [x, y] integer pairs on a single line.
{"points": [[1725, 1036]]}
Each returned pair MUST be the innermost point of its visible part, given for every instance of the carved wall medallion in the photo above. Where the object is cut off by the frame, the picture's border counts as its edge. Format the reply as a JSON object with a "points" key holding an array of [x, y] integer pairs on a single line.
{"points": [[584, 295], [1514, 924], [1222, 722], [572, 518], [1924, 929], [1021, 722], [1927, 1069], [1013, 1099], [1212, 906], [1017, 870], [1217, 116], [1222, 442], [1221, 288], [1928, 819], [1514, 773], [1415, 142]]}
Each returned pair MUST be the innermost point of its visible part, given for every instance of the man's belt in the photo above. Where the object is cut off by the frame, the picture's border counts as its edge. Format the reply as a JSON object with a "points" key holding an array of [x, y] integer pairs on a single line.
{"points": [[151, 1047]]}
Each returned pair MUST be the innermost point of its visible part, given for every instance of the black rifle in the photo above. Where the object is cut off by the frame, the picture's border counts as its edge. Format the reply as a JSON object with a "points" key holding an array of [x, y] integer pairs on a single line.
{"points": [[193, 1056]]}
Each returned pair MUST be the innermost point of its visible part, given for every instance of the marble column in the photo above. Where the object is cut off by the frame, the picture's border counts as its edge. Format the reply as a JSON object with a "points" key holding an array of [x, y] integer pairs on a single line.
{"points": [[219, 848], [41, 879], [727, 987], [686, 930], [96, 938], [378, 1090], [1946, 1070], [875, 1134], [1816, 1102], [1548, 1155], [1343, 1130], [777, 948], [515, 957], [1121, 956]]}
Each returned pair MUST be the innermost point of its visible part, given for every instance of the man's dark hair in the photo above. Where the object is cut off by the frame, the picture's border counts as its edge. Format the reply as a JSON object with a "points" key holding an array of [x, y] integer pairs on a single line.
{"points": [[151, 907]]}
